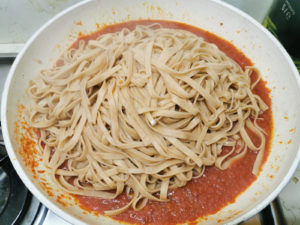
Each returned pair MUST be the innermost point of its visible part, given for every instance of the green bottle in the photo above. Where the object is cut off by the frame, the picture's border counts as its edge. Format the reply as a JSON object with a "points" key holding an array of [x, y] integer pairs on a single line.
{"points": [[283, 21]]}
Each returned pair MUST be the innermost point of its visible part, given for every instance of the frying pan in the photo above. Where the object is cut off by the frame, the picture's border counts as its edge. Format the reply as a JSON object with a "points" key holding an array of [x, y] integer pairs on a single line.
{"points": [[276, 67]]}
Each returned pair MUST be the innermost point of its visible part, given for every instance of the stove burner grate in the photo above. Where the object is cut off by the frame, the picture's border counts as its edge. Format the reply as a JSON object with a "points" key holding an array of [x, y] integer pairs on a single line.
{"points": [[15, 194]]}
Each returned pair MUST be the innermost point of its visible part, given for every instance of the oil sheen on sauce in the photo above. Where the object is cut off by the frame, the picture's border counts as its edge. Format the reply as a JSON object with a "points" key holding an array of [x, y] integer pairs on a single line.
{"points": [[216, 188]]}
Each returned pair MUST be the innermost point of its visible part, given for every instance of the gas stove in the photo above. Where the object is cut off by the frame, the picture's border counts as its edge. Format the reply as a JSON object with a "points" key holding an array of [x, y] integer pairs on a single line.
{"points": [[19, 206]]}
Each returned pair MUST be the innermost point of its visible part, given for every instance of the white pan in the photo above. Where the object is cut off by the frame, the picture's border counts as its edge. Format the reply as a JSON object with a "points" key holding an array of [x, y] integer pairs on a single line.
{"points": [[259, 45]]}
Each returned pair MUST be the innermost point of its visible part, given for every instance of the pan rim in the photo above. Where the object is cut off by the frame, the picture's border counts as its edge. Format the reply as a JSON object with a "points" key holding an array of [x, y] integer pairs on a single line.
{"points": [[62, 213]]}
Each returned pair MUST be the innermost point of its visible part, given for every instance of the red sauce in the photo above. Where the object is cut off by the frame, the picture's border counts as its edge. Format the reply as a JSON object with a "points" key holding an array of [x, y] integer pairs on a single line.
{"points": [[216, 188]]}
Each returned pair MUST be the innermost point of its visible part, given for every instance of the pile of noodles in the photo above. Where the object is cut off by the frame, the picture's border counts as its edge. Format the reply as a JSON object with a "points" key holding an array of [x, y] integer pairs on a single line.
{"points": [[142, 112]]}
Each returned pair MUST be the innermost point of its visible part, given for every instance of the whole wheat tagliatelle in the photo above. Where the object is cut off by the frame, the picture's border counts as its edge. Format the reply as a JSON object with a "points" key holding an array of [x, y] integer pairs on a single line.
{"points": [[142, 112]]}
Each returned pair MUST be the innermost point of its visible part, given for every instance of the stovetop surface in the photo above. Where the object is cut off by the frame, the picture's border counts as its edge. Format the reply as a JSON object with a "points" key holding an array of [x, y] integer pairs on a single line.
{"points": [[284, 210]]}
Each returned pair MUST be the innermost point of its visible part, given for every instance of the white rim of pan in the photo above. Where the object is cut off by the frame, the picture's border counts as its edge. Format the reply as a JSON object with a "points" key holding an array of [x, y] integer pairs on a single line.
{"points": [[60, 212]]}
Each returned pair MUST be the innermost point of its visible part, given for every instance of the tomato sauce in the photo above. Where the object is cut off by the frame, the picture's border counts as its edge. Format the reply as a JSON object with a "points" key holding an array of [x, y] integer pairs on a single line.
{"points": [[216, 188]]}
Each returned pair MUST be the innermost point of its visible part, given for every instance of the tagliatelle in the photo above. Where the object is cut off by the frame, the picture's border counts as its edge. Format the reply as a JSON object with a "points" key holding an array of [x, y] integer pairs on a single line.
{"points": [[142, 112]]}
